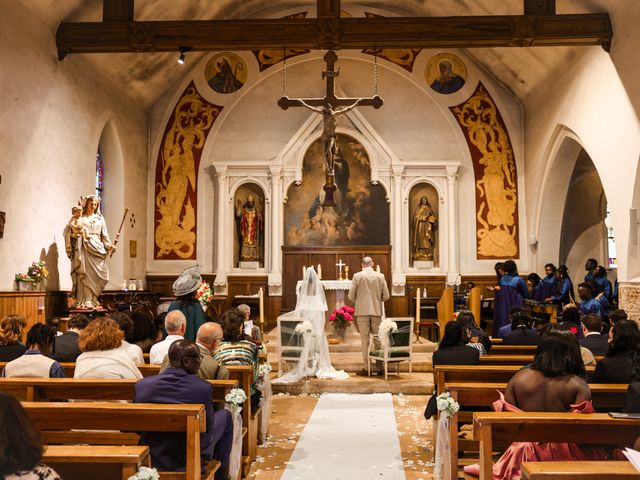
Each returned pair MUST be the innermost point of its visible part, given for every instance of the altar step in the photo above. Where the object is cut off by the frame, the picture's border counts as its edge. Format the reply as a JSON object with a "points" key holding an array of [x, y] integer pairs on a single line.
{"points": [[414, 384]]}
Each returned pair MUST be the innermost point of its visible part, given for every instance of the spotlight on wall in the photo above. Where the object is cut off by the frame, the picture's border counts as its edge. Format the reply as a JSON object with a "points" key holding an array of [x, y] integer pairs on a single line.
{"points": [[183, 51]]}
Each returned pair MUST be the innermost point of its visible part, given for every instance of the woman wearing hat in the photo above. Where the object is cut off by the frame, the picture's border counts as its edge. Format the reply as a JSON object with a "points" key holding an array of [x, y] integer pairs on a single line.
{"points": [[185, 289]]}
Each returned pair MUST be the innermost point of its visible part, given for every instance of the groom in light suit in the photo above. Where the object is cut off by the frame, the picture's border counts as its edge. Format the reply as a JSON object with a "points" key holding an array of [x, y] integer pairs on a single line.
{"points": [[368, 292]]}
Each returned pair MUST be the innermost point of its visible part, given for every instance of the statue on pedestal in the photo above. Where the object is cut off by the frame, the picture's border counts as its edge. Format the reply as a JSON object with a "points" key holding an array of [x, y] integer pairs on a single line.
{"points": [[250, 227], [424, 238]]}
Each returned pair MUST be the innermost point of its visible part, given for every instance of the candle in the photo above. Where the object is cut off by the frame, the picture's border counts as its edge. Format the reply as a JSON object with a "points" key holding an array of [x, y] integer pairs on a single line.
{"points": [[304, 271], [378, 268], [261, 295], [320, 271]]}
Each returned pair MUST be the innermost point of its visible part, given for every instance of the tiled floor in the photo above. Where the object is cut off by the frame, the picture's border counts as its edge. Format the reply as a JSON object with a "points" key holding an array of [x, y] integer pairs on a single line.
{"points": [[290, 414]]}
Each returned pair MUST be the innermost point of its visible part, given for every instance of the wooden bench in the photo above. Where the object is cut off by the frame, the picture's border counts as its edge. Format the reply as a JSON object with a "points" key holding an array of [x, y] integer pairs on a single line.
{"points": [[104, 462], [476, 374], [482, 395], [497, 429], [243, 374], [500, 359], [613, 470], [513, 349], [43, 389], [57, 420]]}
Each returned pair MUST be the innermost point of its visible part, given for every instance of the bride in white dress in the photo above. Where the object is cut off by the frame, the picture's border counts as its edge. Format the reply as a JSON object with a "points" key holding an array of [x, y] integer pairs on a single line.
{"points": [[314, 359]]}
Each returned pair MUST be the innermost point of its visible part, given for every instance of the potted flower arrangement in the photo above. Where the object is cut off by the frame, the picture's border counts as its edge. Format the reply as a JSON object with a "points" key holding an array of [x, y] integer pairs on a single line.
{"points": [[24, 281], [204, 294], [38, 273], [341, 318]]}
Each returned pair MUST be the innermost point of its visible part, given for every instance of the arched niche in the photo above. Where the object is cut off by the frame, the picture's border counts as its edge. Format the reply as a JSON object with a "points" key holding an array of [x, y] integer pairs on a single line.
{"points": [[424, 232], [112, 205], [249, 220], [361, 215]]}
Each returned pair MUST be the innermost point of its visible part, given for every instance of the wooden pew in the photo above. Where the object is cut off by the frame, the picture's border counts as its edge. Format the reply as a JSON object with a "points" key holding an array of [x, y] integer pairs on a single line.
{"points": [[476, 374], [445, 309], [496, 429], [243, 374], [502, 349], [43, 389], [482, 395], [511, 359], [614, 470], [104, 462], [140, 417]]}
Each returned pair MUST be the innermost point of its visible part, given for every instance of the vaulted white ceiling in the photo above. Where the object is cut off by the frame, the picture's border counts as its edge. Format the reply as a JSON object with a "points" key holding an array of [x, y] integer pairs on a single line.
{"points": [[145, 77]]}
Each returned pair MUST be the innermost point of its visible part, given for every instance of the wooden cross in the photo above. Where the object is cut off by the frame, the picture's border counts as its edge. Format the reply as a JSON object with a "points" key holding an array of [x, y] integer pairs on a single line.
{"points": [[340, 264], [328, 107]]}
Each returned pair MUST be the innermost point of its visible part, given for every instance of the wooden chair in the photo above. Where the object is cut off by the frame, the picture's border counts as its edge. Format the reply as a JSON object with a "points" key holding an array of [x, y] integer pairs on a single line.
{"points": [[105, 462], [85, 423], [396, 350], [445, 309], [290, 343]]}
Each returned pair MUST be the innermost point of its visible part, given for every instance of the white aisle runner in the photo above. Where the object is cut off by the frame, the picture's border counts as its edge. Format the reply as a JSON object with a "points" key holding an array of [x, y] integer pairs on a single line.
{"points": [[348, 437]]}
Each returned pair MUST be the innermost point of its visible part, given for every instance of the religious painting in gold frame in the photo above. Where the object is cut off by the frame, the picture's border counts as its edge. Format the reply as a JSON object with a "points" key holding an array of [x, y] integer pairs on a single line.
{"points": [[445, 73], [361, 215], [496, 177], [249, 220], [424, 224], [226, 73]]}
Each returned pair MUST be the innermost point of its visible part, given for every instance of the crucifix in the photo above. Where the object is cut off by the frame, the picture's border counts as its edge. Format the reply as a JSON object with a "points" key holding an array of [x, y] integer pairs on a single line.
{"points": [[327, 106], [340, 264]]}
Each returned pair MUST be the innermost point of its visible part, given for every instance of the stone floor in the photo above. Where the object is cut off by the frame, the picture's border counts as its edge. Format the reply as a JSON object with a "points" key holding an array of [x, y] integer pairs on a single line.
{"points": [[291, 413]]}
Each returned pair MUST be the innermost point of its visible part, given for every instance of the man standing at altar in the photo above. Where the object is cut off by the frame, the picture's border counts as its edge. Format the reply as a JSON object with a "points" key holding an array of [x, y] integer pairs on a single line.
{"points": [[368, 292]]}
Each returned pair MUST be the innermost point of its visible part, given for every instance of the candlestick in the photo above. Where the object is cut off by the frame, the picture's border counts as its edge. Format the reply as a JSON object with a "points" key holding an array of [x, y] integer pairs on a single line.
{"points": [[346, 272], [378, 268], [320, 271], [261, 295]]}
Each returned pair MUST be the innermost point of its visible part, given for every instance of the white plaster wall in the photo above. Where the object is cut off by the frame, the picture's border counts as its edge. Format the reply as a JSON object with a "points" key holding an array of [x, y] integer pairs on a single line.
{"points": [[590, 100], [52, 118], [415, 124], [591, 244]]}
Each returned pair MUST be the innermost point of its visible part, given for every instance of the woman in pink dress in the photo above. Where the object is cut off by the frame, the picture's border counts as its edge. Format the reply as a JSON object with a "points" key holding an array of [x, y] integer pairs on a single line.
{"points": [[553, 383]]}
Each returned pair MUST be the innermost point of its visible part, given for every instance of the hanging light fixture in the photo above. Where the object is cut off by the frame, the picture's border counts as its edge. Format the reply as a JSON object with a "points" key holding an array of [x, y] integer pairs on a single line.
{"points": [[183, 51]]}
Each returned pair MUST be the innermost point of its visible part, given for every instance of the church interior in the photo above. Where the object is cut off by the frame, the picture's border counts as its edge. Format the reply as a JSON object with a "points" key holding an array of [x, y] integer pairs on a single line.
{"points": [[274, 144]]}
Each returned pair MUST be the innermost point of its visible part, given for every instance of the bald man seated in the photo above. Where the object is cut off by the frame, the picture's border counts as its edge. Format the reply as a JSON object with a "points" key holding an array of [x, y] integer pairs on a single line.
{"points": [[208, 338], [179, 384]]}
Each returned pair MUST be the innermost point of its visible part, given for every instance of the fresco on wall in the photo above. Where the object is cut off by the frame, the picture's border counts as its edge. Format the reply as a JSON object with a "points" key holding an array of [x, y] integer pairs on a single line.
{"points": [[445, 73], [361, 215], [496, 178], [403, 57], [268, 58], [226, 73], [176, 177]]}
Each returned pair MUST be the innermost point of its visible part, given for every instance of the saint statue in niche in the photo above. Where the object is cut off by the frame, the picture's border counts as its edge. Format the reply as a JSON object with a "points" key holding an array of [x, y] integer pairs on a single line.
{"points": [[424, 238], [250, 225]]}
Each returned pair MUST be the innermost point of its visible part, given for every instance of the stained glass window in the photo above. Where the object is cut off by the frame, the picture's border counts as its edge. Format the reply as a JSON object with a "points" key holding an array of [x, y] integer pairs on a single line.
{"points": [[99, 174], [611, 241]]}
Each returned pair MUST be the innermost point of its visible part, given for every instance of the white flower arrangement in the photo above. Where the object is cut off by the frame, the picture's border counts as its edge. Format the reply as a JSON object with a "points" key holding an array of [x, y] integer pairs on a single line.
{"points": [[447, 405], [264, 369], [235, 398], [145, 473], [304, 327], [386, 327]]}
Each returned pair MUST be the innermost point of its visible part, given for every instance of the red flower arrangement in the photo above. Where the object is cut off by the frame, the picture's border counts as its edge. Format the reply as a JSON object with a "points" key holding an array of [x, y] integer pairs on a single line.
{"points": [[342, 317]]}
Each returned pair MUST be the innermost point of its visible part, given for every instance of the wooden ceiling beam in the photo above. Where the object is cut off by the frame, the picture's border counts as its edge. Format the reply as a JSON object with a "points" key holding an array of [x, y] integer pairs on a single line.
{"points": [[342, 33]]}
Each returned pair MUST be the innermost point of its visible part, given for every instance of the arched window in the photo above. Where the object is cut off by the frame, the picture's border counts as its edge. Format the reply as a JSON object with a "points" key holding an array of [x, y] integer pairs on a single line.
{"points": [[99, 174], [611, 241]]}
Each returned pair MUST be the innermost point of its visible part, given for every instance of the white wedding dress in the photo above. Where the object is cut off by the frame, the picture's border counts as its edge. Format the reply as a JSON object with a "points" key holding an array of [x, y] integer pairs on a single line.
{"points": [[314, 359]]}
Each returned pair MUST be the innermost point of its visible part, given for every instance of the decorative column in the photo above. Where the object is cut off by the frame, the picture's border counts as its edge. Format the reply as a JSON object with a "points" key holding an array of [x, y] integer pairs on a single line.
{"points": [[452, 224], [220, 283], [397, 240], [275, 230]]}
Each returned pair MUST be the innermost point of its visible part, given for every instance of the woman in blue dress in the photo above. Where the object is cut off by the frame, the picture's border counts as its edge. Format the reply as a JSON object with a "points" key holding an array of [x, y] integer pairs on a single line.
{"points": [[512, 290], [549, 285], [564, 293]]}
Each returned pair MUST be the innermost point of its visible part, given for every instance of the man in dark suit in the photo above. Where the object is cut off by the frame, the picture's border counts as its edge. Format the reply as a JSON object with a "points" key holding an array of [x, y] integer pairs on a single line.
{"points": [[66, 345], [521, 332], [178, 384], [593, 339]]}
